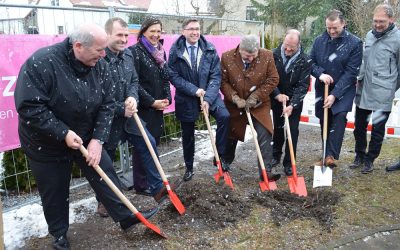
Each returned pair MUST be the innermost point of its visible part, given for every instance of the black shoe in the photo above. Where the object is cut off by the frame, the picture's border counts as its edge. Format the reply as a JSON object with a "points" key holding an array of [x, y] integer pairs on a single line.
{"points": [[368, 167], [393, 167], [128, 223], [358, 162], [274, 162], [225, 165], [145, 192], [188, 175], [288, 170], [61, 243]]}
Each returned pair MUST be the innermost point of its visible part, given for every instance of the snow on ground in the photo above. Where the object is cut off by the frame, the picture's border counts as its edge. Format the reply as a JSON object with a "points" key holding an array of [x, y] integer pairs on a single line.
{"points": [[28, 221]]}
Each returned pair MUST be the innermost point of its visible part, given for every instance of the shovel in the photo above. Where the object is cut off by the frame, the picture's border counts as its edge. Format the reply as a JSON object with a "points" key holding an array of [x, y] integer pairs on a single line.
{"points": [[122, 197], [323, 174], [296, 183], [217, 176], [265, 184], [173, 197]]}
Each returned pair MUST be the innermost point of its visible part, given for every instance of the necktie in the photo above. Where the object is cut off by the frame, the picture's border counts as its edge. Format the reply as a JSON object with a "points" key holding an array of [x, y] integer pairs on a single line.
{"points": [[246, 65], [193, 58]]}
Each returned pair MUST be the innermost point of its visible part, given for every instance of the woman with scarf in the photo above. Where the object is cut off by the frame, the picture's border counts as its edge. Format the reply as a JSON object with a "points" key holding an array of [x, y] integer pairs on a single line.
{"points": [[154, 91]]}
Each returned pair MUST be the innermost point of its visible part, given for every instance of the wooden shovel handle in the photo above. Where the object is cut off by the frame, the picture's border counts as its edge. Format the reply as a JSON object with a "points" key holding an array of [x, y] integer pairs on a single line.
{"points": [[254, 133], [210, 132], [289, 137], [148, 143], [109, 182], [325, 125]]}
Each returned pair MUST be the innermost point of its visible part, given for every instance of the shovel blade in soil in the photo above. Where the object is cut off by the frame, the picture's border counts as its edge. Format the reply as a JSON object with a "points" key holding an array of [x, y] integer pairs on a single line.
{"points": [[322, 179], [150, 225], [297, 187], [176, 202], [271, 185], [217, 176], [228, 180]]}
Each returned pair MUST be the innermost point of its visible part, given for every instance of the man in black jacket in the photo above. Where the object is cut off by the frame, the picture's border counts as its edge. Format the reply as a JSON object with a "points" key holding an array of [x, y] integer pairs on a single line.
{"points": [[124, 127], [294, 68], [64, 98]]}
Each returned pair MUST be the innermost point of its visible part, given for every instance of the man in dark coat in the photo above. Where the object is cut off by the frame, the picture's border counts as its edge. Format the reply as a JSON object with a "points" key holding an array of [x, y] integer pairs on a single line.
{"points": [[248, 78], [64, 98], [337, 56], [124, 127], [294, 68], [195, 71]]}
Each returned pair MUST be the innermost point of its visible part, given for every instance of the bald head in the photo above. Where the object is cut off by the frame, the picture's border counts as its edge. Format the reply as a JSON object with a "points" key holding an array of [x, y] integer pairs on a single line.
{"points": [[291, 43], [88, 42]]}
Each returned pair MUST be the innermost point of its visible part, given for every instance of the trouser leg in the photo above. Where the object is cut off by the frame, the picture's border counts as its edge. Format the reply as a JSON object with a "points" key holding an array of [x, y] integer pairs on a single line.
{"points": [[279, 134], [188, 144], [222, 117], [379, 120], [294, 121], [115, 208], [362, 118], [336, 129], [138, 171], [230, 150], [52, 179], [264, 139]]}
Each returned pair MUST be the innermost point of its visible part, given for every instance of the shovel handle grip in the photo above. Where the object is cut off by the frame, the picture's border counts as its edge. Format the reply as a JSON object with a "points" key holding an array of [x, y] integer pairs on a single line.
{"points": [[110, 184]]}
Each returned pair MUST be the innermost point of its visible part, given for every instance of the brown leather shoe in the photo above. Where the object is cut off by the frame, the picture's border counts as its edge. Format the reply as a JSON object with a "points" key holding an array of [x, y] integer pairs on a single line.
{"points": [[330, 161], [101, 210], [163, 193]]}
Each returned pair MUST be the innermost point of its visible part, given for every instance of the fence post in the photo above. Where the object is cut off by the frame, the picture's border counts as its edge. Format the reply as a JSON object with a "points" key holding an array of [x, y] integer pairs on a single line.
{"points": [[111, 11], [1, 226]]}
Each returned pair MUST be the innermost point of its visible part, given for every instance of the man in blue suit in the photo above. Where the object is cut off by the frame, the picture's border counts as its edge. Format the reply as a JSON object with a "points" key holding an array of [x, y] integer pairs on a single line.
{"points": [[195, 70], [337, 56]]}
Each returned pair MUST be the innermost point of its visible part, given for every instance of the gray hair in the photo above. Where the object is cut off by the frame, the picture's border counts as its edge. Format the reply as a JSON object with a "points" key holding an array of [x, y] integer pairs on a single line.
{"points": [[386, 8], [82, 35], [250, 43]]}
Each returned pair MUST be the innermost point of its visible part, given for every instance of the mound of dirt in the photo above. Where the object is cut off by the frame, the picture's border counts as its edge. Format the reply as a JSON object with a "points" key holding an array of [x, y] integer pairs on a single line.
{"points": [[286, 206]]}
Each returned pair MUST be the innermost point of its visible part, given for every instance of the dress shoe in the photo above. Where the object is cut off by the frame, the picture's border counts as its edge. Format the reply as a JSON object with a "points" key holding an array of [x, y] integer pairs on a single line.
{"points": [[226, 166], [188, 175], [288, 170], [163, 193], [101, 210], [128, 223], [358, 162], [330, 161], [368, 167], [61, 243], [145, 192], [393, 167]]}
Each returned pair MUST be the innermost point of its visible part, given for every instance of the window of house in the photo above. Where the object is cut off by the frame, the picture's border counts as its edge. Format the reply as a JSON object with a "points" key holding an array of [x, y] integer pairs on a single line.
{"points": [[60, 29], [55, 3], [251, 13]]}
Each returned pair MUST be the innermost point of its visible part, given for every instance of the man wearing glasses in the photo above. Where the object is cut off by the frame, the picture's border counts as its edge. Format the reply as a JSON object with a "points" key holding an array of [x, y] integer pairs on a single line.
{"points": [[195, 71], [294, 68]]}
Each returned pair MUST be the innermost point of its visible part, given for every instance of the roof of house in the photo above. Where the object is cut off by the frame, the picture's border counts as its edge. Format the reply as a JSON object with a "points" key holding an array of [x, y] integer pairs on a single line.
{"points": [[137, 4]]}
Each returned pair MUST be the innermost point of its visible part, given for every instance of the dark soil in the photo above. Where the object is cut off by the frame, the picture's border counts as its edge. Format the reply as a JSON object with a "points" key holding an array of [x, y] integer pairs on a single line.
{"points": [[217, 217]]}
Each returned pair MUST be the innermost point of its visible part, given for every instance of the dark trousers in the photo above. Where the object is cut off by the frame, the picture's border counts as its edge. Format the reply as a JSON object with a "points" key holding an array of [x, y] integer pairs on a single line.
{"points": [[379, 119], [279, 132], [264, 139], [336, 129], [53, 180], [145, 173], [221, 115]]}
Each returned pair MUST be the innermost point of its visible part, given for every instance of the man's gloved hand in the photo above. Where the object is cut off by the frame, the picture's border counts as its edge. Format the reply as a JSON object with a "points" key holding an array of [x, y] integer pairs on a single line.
{"points": [[251, 101], [240, 103]]}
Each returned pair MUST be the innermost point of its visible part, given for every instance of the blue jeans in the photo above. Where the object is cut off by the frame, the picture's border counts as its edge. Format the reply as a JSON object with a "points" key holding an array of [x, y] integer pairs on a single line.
{"points": [[153, 177]]}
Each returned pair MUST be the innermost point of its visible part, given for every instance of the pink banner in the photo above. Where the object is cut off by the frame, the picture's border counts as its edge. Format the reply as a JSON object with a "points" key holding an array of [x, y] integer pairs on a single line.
{"points": [[15, 49]]}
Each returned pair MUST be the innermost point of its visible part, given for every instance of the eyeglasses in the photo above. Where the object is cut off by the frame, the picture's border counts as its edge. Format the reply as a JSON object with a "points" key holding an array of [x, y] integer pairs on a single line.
{"points": [[193, 29]]}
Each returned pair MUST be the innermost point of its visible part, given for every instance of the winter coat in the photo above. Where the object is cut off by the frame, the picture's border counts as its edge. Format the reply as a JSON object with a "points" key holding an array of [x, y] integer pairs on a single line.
{"points": [[187, 104], [55, 93], [341, 59], [298, 75], [126, 84], [379, 77], [153, 85], [236, 80]]}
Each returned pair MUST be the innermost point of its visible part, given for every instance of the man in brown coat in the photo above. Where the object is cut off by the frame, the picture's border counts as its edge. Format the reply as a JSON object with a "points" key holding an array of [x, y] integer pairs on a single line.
{"points": [[248, 78]]}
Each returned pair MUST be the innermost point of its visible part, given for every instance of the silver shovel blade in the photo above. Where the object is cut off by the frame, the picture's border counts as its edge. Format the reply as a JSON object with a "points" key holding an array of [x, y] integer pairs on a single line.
{"points": [[322, 178]]}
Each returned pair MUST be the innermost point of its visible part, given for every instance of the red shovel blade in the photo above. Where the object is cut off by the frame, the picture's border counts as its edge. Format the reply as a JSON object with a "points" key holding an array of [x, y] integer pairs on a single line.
{"points": [[270, 185], [149, 225], [175, 201], [228, 180], [298, 187], [218, 175]]}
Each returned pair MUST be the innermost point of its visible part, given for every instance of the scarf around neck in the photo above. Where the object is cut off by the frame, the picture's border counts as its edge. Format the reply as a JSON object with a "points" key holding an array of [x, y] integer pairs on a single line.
{"points": [[291, 60], [157, 52], [381, 34]]}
